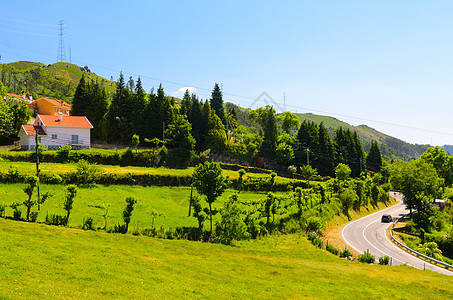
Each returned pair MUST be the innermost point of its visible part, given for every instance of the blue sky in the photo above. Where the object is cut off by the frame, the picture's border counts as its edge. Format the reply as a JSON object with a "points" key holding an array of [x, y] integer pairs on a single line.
{"points": [[386, 64]]}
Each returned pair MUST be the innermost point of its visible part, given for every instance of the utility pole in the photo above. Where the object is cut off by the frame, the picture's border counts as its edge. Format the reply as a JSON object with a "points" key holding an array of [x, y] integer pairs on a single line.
{"points": [[37, 164]]}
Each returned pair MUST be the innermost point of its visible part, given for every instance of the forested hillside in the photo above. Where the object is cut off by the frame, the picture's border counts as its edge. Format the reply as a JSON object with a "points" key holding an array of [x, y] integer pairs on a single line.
{"points": [[391, 148], [59, 81]]}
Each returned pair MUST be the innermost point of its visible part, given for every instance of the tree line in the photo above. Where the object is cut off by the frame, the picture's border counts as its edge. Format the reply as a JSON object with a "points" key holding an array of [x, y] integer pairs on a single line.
{"points": [[196, 125]]}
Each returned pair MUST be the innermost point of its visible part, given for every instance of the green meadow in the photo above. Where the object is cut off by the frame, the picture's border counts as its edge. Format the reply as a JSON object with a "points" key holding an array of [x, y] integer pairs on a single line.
{"points": [[172, 203], [50, 262]]}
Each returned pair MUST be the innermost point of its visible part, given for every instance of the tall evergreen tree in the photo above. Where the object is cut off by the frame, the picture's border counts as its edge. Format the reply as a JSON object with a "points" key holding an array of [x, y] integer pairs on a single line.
{"points": [[374, 159], [266, 118], [195, 117], [80, 100], [216, 102], [308, 141], [159, 114], [186, 103], [325, 162]]}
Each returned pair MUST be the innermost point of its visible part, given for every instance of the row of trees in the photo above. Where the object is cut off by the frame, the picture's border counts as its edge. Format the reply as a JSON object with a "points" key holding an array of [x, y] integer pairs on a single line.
{"points": [[200, 125]]}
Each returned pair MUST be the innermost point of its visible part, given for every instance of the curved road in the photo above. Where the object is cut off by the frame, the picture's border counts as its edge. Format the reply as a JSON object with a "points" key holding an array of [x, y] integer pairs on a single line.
{"points": [[368, 233]]}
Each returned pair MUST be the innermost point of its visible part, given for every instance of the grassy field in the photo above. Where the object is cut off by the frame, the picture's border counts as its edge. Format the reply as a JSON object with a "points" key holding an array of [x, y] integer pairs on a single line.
{"points": [[39, 261], [173, 202], [49, 168]]}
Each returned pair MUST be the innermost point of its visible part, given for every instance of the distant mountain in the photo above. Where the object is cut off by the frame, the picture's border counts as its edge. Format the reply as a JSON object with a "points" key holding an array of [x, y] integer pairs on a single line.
{"points": [[391, 148], [57, 81]]}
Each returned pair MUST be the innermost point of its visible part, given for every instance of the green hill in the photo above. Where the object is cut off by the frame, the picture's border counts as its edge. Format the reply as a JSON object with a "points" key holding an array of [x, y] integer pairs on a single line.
{"points": [[57, 81], [52, 262], [392, 148]]}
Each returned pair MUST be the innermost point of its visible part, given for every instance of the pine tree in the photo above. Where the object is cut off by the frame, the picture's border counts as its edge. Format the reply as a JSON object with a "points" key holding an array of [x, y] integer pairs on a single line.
{"points": [[266, 118], [216, 102], [374, 159], [80, 99], [186, 103], [325, 162]]}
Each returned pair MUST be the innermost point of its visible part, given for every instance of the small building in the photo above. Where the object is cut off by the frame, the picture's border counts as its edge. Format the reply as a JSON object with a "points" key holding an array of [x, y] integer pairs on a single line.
{"points": [[56, 131], [46, 106]]}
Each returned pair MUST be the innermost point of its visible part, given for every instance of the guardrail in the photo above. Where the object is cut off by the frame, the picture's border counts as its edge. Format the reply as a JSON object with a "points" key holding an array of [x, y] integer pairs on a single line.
{"points": [[418, 254]]}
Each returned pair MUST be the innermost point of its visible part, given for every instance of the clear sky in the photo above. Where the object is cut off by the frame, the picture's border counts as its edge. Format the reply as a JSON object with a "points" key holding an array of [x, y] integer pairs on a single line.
{"points": [[386, 64]]}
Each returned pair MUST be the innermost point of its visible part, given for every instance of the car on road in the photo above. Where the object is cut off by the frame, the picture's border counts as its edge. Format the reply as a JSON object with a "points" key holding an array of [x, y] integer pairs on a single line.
{"points": [[386, 218]]}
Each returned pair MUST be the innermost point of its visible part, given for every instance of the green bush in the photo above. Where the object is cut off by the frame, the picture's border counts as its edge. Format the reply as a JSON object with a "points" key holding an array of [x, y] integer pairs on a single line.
{"points": [[34, 216], [88, 223], [384, 260], [314, 224], [53, 179], [55, 220], [366, 258], [332, 249], [346, 253], [2, 210], [313, 238]]}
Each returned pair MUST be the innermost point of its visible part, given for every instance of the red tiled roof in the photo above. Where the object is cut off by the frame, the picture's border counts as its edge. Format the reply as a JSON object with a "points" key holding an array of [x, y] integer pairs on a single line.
{"points": [[57, 103], [30, 130], [67, 121]]}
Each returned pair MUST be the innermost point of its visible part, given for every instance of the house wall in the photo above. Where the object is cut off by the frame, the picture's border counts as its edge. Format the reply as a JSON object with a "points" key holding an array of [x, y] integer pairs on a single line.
{"points": [[47, 108], [64, 137], [26, 142]]}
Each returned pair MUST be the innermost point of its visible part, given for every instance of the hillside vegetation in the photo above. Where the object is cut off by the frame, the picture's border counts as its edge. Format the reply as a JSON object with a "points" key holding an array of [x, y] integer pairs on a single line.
{"points": [[391, 148], [57, 81], [57, 262]]}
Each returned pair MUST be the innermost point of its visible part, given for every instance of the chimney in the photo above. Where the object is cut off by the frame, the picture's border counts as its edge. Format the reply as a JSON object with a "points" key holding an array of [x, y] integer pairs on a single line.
{"points": [[60, 117], [30, 97], [23, 96]]}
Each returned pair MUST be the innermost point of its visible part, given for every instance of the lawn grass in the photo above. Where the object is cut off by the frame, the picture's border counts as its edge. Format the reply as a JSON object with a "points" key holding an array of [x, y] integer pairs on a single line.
{"points": [[28, 168], [39, 261], [173, 202]]}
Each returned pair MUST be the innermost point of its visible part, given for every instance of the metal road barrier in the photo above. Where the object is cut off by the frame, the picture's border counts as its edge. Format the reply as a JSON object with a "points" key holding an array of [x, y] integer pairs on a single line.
{"points": [[418, 254]]}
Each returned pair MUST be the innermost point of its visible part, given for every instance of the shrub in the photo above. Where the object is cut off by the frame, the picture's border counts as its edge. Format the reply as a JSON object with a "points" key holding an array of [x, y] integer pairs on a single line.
{"points": [[118, 228], [332, 249], [54, 179], [314, 224], [13, 175], [34, 216], [86, 172], [346, 253], [2, 210], [63, 153], [88, 223], [16, 213], [384, 260], [366, 258], [315, 240], [55, 220]]}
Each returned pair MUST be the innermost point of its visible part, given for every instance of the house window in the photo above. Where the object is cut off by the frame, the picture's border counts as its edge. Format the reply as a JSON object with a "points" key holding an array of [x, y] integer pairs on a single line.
{"points": [[58, 110], [54, 136], [74, 139]]}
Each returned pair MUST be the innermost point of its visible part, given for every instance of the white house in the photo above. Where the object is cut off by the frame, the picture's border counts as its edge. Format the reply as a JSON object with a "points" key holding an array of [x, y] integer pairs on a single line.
{"points": [[56, 131]]}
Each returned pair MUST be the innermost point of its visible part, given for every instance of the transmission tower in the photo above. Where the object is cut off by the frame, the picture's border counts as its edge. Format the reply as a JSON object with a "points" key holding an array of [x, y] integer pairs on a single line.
{"points": [[61, 52], [284, 102]]}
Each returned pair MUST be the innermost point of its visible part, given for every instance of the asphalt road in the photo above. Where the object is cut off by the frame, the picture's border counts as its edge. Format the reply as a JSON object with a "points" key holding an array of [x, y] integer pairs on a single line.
{"points": [[369, 234]]}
